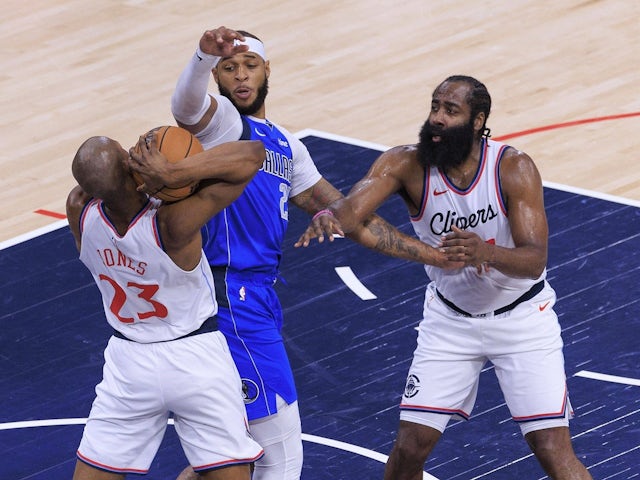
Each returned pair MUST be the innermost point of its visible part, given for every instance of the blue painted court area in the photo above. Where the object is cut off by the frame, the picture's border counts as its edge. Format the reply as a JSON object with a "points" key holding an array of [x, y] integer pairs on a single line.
{"points": [[350, 356]]}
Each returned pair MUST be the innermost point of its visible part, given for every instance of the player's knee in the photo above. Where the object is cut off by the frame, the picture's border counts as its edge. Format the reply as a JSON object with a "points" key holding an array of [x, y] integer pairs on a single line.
{"points": [[409, 451], [414, 442], [550, 443], [188, 474]]}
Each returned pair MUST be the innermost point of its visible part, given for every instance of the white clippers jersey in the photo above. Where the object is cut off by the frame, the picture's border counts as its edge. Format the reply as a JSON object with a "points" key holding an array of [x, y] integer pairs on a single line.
{"points": [[479, 209], [145, 295]]}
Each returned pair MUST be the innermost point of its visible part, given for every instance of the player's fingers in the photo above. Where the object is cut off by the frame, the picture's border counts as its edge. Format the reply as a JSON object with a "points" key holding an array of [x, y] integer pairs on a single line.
{"points": [[133, 156], [306, 237], [135, 152], [152, 142], [234, 34], [336, 228], [454, 254], [318, 231], [330, 226]]}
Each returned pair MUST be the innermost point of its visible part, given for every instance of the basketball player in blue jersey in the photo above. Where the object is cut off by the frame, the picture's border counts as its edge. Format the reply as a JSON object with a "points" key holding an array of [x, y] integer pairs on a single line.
{"points": [[243, 242], [480, 204]]}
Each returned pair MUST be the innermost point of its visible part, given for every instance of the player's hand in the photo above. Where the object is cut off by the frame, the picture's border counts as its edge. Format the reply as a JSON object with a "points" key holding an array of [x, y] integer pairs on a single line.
{"points": [[221, 42], [444, 262], [151, 166], [323, 223], [466, 247]]}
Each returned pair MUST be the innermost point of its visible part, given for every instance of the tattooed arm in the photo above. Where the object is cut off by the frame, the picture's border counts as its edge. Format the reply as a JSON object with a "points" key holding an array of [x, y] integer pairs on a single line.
{"points": [[379, 235], [374, 232], [317, 197]]}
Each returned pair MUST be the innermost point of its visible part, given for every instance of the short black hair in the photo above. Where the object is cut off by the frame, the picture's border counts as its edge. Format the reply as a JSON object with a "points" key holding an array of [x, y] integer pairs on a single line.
{"points": [[479, 99]]}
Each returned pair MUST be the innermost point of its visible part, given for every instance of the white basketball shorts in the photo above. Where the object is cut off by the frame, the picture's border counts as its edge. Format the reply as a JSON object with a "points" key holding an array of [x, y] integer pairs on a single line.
{"points": [[195, 378], [524, 345]]}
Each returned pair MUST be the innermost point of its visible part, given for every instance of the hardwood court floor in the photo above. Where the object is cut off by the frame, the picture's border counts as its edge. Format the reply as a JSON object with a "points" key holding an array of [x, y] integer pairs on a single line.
{"points": [[365, 69]]}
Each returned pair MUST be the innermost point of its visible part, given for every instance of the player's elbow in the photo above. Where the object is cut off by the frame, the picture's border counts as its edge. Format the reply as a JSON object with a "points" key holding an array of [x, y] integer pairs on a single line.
{"points": [[537, 264], [178, 110], [343, 211], [257, 153], [538, 269], [254, 156]]}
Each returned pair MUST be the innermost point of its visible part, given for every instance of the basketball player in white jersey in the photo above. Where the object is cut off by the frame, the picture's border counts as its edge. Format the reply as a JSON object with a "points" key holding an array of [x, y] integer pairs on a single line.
{"points": [[479, 205], [166, 353]]}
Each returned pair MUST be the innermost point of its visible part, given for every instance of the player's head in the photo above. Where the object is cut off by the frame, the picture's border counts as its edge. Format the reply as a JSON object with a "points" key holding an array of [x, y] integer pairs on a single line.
{"points": [[460, 106], [478, 99], [244, 77], [100, 168]]}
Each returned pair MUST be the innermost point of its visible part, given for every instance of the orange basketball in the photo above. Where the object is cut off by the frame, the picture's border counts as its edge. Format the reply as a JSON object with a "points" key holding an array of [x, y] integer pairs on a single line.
{"points": [[175, 143]]}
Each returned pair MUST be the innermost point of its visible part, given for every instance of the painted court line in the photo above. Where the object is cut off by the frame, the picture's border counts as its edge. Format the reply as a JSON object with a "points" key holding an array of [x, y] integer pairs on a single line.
{"points": [[356, 286], [573, 123], [33, 234], [347, 447], [355, 449], [49, 213], [54, 422], [608, 378]]}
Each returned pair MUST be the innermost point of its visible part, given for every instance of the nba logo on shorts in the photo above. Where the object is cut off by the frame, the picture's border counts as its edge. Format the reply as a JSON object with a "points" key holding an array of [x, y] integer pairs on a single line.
{"points": [[250, 391], [412, 387]]}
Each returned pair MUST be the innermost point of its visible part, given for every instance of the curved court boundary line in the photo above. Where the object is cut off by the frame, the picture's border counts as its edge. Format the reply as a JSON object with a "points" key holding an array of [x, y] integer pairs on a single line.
{"points": [[365, 452], [347, 447]]}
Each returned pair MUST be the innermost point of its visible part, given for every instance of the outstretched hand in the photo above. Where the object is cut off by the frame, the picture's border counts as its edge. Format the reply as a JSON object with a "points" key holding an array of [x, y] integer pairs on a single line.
{"points": [[323, 223], [221, 42]]}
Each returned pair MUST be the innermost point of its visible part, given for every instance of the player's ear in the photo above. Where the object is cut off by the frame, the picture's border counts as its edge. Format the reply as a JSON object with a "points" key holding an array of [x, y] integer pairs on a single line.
{"points": [[214, 72], [267, 68], [478, 122]]}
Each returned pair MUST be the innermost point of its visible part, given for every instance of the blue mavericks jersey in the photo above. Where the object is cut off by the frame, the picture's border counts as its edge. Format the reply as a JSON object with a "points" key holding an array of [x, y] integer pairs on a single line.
{"points": [[248, 234]]}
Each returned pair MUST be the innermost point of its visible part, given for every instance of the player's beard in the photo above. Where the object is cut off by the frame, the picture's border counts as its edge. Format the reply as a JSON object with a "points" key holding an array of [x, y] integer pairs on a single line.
{"points": [[255, 105], [453, 148]]}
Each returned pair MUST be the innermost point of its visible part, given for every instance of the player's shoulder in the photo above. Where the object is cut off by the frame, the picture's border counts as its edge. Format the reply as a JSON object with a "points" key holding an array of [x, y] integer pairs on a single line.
{"points": [[515, 158], [76, 202], [282, 130], [78, 198], [402, 150], [399, 154], [517, 169], [298, 148]]}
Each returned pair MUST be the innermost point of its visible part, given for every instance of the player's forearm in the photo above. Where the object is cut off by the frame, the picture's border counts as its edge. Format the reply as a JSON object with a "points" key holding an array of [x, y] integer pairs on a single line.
{"points": [[377, 234], [231, 162], [190, 100], [317, 197], [521, 262]]}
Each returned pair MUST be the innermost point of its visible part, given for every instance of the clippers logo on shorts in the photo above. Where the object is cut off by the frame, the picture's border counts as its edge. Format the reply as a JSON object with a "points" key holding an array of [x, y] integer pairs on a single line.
{"points": [[412, 387], [250, 391]]}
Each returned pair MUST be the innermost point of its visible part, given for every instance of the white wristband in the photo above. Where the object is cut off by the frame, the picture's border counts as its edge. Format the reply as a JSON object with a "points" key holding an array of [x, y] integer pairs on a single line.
{"points": [[210, 60]]}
